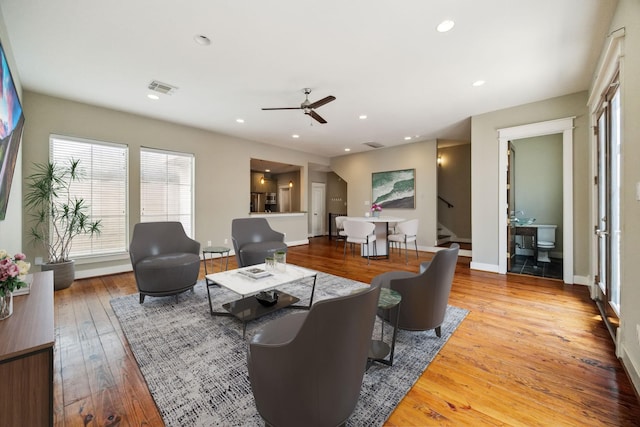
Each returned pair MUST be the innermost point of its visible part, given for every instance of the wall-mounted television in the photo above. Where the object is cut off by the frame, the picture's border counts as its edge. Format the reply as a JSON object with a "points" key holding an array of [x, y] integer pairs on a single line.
{"points": [[11, 124]]}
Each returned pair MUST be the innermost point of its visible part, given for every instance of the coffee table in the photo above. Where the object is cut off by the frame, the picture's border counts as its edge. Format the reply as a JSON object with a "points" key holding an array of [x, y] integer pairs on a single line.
{"points": [[248, 307]]}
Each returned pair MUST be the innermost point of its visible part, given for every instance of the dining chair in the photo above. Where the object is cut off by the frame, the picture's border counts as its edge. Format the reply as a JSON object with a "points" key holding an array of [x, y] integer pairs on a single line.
{"points": [[407, 232], [362, 233], [340, 234]]}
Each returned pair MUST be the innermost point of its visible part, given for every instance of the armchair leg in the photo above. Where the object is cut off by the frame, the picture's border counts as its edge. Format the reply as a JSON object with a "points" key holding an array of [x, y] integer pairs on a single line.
{"points": [[141, 297], [416, 243], [439, 331]]}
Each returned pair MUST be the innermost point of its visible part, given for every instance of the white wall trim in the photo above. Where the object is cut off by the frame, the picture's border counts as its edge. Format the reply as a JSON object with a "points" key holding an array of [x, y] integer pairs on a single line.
{"points": [[103, 271], [632, 369], [582, 280], [492, 268], [608, 67], [550, 127]]}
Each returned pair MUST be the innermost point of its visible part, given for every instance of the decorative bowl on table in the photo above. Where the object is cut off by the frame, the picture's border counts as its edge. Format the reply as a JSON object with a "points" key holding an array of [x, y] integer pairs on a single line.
{"points": [[267, 298]]}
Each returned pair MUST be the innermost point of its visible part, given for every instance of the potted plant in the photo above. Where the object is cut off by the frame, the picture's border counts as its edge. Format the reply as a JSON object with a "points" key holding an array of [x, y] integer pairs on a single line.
{"points": [[58, 216]]}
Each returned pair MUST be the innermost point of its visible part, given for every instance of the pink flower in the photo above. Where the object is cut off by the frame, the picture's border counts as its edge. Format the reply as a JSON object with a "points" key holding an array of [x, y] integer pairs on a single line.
{"points": [[19, 256]]}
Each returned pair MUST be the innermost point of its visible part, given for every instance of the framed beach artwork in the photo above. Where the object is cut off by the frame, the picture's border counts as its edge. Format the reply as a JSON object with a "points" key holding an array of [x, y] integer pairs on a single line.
{"points": [[394, 189]]}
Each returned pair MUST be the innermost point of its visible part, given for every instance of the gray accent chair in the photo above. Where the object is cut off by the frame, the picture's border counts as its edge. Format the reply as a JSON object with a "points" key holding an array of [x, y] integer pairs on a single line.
{"points": [[165, 260], [306, 369], [254, 240], [425, 294]]}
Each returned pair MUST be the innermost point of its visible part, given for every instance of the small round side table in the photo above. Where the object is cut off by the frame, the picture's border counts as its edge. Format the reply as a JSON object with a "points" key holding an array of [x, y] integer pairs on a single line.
{"points": [[388, 300], [211, 250]]}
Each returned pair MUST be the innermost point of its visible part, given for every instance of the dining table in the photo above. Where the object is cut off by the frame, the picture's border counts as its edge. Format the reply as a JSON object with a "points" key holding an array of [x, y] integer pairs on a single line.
{"points": [[381, 231]]}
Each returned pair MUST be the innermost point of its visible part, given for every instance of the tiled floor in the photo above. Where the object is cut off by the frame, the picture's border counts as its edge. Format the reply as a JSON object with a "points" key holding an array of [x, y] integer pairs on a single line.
{"points": [[523, 264]]}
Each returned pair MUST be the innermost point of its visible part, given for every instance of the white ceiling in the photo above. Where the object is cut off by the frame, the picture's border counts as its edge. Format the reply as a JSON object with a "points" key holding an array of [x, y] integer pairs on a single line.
{"points": [[381, 58]]}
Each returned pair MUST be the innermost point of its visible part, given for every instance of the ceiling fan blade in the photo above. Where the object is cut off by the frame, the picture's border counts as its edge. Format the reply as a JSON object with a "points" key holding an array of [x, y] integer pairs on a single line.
{"points": [[283, 108], [316, 116], [322, 101]]}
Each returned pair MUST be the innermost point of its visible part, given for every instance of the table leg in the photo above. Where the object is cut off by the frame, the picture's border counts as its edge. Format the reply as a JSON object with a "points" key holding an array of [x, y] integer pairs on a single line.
{"points": [[313, 289]]}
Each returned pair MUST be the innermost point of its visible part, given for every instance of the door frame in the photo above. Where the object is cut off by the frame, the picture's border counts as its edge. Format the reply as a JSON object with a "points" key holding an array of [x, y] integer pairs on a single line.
{"points": [[550, 127]]}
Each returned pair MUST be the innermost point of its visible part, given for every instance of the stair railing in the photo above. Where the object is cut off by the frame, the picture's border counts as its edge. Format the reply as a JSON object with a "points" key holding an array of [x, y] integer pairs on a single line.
{"points": [[449, 205]]}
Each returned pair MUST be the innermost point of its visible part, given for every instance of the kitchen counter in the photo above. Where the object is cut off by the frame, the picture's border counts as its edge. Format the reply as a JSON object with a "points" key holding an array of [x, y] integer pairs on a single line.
{"points": [[278, 214]]}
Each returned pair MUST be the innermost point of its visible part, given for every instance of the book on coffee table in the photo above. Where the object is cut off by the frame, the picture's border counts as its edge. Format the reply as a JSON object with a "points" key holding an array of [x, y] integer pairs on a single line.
{"points": [[254, 272]]}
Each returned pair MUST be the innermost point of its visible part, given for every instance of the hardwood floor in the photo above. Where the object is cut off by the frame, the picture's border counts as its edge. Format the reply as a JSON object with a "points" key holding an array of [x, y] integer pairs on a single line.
{"points": [[531, 351]]}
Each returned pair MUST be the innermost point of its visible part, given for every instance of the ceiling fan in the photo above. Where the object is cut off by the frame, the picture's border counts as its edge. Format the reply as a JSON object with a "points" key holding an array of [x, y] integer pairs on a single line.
{"points": [[309, 107]]}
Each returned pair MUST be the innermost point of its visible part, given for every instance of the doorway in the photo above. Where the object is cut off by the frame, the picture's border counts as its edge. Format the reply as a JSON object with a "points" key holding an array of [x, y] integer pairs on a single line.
{"points": [[318, 202], [534, 194], [565, 128], [608, 186]]}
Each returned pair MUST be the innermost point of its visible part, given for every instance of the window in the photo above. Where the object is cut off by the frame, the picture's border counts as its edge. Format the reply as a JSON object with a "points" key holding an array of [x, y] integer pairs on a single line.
{"points": [[104, 187], [166, 187]]}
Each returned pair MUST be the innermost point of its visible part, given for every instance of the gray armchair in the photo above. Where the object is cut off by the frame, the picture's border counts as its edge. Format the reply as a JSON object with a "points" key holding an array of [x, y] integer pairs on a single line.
{"points": [[424, 295], [165, 260], [307, 368], [254, 240]]}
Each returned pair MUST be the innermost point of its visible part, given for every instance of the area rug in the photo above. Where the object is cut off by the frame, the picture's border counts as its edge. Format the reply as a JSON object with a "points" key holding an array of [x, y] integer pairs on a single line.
{"points": [[196, 365]]}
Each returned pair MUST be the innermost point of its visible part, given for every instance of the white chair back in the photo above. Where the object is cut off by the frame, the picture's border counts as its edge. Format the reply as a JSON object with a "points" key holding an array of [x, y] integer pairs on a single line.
{"points": [[409, 228], [358, 229], [340, 222]]}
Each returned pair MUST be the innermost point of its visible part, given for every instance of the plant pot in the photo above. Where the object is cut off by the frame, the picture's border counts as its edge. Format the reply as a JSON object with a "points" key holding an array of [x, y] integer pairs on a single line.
{"points": [[6, 305], [63, 274], [376, 214]]}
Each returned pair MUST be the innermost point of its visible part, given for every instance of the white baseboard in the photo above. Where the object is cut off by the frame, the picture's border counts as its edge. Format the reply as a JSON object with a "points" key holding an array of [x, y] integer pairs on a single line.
{"points": [[298, 242], [633, 370], [492, 268], [582, 280], [103, 271]]}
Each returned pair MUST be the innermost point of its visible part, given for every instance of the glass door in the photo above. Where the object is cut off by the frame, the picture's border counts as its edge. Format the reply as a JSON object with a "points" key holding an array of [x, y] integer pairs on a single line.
{"points": [[607, 229]]}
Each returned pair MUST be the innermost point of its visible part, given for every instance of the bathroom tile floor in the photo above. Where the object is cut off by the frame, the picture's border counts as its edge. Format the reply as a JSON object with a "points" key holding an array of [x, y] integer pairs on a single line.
{"points": [[523, 264]]}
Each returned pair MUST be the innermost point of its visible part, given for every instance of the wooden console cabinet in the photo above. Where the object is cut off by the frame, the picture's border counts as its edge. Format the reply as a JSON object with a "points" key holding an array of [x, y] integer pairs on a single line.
{"points": [[26, 357]]}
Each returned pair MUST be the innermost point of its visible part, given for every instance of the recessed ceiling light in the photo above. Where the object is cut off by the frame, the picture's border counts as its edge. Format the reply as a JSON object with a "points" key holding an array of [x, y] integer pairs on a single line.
{"points": [[267, 170], [362, 116], [407, 138], [445, 26], [295, 136], [478, 83], [347, 149], [202, 40], [240, 120], [152, 96]]}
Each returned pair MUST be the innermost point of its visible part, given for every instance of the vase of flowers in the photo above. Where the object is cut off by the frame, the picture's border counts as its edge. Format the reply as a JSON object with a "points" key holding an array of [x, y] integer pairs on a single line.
{"points": [[376, 209], [12, 273]]}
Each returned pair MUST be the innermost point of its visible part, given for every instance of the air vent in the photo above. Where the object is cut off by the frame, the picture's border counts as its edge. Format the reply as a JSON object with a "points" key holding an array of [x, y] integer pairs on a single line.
{"points": [[163, 88], [373, 144]]}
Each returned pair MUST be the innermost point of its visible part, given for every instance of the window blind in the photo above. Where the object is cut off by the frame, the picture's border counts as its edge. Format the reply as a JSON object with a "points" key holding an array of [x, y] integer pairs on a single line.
{"points": [[166, 187], [104, 187]]}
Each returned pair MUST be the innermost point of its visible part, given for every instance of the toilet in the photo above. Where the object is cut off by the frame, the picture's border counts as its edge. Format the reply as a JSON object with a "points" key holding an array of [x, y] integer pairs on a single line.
{"points": [[545, 241]]}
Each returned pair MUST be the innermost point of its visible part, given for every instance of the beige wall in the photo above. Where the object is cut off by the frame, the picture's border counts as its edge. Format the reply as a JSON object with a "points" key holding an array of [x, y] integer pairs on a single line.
{"points": [[356, 170], [628, 16], [11, 227], [454, 185], [485, 173], [221, 172]]}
